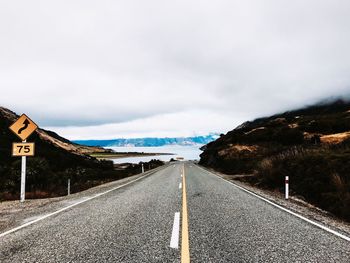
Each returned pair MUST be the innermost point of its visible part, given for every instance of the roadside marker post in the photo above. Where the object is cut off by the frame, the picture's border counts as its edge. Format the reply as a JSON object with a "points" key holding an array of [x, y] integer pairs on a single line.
{"points": [[23, 127], [142, 168], [68, 190], [287, 187]]}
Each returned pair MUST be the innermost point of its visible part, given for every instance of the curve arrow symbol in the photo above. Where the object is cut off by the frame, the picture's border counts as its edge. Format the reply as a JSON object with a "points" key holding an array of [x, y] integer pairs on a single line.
{"points": [[26, 124]]}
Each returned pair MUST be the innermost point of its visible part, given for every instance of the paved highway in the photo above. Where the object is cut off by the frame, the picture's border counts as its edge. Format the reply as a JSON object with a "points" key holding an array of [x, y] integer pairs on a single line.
{"points": [[137, 223]]}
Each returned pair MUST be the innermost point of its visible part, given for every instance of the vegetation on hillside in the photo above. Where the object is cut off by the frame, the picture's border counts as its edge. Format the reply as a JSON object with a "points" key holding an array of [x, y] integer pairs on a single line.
{"points": [[56, 160], [311, 146]]}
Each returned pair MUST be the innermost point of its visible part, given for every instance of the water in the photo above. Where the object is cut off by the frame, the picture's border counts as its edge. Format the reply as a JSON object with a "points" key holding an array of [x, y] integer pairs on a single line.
{"points": [[187, 152]]}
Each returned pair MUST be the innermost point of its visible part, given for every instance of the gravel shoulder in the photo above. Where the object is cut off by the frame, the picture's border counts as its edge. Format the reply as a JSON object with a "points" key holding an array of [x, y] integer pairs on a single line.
{"points": [[294, 204], [14, 213]]}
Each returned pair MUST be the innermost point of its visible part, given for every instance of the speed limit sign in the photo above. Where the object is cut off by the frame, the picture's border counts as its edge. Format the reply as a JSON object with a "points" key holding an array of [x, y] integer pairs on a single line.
{"points": [[23, 149]]}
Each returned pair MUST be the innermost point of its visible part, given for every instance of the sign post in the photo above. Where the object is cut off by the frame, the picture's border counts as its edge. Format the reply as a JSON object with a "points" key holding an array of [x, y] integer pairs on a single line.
{"points": [[23, 178], [23, 128]]}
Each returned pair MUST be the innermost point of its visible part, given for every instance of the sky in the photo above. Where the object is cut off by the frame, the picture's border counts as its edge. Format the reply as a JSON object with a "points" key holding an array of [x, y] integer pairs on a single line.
{"points": [[111, 69]]}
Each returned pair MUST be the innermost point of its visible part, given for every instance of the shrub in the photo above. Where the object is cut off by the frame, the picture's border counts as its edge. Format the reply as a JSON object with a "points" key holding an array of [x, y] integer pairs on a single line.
{"points": [[321, 177]]}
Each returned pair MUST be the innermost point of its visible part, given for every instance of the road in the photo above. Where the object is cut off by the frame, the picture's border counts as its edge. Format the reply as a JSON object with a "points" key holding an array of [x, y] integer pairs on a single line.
{"points": [[136, 223]]}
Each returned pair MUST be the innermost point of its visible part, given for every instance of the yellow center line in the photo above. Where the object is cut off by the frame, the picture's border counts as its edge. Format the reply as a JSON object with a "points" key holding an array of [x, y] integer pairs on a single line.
{"points": [[185, 247]]}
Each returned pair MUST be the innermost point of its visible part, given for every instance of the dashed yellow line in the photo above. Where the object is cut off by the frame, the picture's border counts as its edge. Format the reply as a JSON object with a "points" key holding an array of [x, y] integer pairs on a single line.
{"points": [[185, 246]]}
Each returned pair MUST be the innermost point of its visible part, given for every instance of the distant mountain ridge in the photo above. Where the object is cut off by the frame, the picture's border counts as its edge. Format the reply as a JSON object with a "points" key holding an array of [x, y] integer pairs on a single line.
{"points": [[149, 142]]}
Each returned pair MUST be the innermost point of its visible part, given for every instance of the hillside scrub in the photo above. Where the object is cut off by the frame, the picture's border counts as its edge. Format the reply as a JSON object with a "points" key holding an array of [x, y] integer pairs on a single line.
{"points": [[43, 181], [322, 177], [311, 146], [56, 160]]}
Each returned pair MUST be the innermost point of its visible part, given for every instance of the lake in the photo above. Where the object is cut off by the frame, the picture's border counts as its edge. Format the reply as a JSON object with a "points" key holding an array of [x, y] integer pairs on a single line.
{"points": [[187, 152]]}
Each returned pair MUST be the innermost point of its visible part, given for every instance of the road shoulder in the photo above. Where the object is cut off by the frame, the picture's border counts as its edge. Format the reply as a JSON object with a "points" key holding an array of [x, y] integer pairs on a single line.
{"points": [[14, 213], [294, 204]]}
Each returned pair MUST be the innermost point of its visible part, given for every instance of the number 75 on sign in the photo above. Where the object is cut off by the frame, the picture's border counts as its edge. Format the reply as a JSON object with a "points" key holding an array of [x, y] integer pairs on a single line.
{"points": [[23, 149]]}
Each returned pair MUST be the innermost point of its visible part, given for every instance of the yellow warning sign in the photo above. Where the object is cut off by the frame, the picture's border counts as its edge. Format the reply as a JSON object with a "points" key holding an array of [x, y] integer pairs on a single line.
{"points": [[23, 127]]}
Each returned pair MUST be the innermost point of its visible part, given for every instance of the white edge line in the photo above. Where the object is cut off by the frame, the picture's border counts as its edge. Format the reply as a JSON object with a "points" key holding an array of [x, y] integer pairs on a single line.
{"points": [[70, 206], [180, 185], [282, 208], [174, 241]]}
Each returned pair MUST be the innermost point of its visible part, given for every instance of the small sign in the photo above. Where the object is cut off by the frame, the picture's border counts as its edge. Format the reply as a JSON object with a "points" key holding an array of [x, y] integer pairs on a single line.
{"points": [[23, 127], [23, 149]]}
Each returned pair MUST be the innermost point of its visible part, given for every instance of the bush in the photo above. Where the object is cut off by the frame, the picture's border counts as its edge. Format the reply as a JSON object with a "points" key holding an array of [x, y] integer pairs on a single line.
{"points": [[321, 177]]}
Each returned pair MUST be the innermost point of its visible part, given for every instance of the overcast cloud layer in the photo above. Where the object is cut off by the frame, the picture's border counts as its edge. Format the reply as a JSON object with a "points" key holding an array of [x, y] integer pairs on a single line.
{"points": [[107, 69]]}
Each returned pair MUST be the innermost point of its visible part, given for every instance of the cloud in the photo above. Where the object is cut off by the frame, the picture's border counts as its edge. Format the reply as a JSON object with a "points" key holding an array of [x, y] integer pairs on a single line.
{"points": [[177, 124], [88, 64]]}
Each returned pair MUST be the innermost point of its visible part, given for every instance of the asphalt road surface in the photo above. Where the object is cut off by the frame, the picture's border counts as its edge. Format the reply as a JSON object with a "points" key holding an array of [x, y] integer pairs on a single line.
{"points": [[137, 223]]}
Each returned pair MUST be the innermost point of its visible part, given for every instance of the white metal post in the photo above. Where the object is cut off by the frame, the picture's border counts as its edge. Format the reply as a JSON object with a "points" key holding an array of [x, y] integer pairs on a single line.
{"points": [[23, 179], [143, 169], [287, 187], [68, 191]]}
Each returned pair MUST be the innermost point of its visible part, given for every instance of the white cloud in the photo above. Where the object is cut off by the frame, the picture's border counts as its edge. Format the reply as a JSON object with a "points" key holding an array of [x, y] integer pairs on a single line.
{"points": [[93, 63], [178, 124]]}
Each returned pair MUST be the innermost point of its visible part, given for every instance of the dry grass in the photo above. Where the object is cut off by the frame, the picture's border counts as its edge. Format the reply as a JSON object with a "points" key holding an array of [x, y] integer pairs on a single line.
{"points": [[238, 148], [254, 130], [70, 147], [266, 164], [338, 182], [335, 138], [249, 148], [293, 125]]}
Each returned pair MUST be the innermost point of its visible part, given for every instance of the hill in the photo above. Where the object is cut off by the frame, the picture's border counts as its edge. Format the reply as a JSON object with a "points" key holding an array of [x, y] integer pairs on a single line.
{"points": [[147, 142], [56, 159], [310, 145]]}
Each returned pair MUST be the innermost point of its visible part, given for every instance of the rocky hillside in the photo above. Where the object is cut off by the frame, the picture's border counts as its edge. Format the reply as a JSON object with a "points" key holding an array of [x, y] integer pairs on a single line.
{"points": [[310, 145], [56, 159]]}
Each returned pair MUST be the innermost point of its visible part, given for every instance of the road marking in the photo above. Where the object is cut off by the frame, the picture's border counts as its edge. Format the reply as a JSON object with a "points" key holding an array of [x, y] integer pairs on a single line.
{"points": [[185, 248], [70, 206], [180, 185], [282, 208], [174, 242]]}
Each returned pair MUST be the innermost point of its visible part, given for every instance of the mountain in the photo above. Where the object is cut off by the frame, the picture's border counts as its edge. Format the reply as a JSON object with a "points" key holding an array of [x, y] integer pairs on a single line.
{"points": [[310, 145], [146, 142], [56, 159]]}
